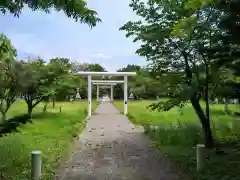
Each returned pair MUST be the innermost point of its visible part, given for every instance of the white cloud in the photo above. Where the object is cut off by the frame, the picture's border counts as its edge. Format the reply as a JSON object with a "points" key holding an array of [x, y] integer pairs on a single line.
{"points": [[102, 56]]}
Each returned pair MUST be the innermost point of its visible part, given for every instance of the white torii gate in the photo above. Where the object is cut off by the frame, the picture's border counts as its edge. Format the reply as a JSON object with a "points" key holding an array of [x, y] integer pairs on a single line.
{"points": [[90, 74], [105, 85], [106, 82]]}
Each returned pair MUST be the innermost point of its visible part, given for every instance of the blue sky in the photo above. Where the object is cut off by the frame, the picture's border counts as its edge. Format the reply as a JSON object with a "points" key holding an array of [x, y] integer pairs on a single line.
{"points": [[55, 35]]}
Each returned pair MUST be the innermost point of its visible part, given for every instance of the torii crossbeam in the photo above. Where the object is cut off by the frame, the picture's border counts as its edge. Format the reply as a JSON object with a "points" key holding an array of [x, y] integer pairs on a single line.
{"points": [[90, 74]]}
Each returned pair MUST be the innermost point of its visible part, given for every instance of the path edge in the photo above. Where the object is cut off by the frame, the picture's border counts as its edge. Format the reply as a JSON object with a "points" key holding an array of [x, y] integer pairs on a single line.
{"points": [[60, 171]]}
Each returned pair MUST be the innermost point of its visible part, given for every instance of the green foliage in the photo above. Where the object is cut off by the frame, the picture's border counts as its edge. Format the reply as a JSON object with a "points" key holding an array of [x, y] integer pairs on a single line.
{"points": [[165, 52], [58, 76], [184, 27], [95, 68], [180, 44], [77, 66], [11, 76], [130, 68], [76, 9], [37, 83], [194, 5], [192, 40], [144, 85], [6, 49]]}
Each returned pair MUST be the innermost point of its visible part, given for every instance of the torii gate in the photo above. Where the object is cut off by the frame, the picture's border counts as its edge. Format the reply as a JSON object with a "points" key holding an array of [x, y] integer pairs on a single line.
{"points": [[104, 85], [90, 74], [106, 82]]}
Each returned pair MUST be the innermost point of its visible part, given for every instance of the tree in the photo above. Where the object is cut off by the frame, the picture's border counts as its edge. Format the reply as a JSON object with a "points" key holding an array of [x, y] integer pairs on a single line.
{"points": [[225, 48], [47, 80], [78, 66], [228, 54], [95, 68], [58, 70], [179, 43], [130, 68], [76, 9], [11, 76], [143, 85], [67, 87], [36, 81]]}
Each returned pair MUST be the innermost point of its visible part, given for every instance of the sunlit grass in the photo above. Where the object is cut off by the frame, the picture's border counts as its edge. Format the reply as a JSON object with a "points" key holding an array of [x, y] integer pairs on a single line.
{"points": [[52, 132], [179, 131]]}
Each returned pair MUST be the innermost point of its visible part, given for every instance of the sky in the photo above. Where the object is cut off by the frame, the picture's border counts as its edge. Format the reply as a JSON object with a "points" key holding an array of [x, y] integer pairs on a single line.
{"points": [[54, 35]]}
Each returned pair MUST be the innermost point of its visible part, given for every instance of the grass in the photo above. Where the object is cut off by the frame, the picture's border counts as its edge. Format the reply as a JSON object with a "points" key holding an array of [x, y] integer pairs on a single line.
{"points": [[52, 132], [177, 132]]}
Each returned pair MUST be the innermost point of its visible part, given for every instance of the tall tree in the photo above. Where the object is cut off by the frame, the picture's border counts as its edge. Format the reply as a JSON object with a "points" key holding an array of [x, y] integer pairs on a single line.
{"points": [[178, 43]]}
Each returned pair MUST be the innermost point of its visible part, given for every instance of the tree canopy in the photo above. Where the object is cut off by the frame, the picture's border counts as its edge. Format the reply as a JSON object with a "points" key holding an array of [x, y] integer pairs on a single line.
{"points": [[75, 9]]}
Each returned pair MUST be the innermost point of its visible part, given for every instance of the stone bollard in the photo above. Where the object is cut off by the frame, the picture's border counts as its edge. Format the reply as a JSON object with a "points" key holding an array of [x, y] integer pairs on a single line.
{"points": [[201, 156], [36, 165]]}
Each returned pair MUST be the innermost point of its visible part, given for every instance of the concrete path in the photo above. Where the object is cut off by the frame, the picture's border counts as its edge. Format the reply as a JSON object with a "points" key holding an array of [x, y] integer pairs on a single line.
{"points": [[111, 148]]}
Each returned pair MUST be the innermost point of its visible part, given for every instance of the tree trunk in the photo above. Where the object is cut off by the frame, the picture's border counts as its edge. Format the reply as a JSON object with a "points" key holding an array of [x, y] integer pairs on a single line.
{"points": [[4, 110], [53, 101], [4, 117], [207, 111], [30, 109], [226, 105], [208, 139]]}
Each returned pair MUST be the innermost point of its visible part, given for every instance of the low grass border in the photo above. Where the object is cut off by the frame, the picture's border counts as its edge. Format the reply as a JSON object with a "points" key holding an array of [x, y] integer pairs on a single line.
{"points": [[67, 157]]}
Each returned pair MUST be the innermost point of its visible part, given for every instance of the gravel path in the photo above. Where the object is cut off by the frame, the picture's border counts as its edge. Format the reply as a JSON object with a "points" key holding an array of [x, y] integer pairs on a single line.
{"points": [[111, 148]]}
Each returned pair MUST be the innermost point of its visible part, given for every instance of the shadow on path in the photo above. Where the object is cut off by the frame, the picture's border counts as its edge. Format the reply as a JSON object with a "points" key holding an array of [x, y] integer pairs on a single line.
{"points": [[111, 148]]}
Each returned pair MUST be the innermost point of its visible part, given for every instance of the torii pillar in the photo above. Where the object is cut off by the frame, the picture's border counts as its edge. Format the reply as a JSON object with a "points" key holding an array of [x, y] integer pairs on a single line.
{"points": [[97, 92], [111, 92], [125, 95], [89, 95]]}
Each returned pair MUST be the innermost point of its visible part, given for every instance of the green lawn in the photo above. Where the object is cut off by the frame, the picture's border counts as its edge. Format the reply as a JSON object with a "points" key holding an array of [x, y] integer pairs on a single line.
{"points": [[179, 131], [52, 132]]}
